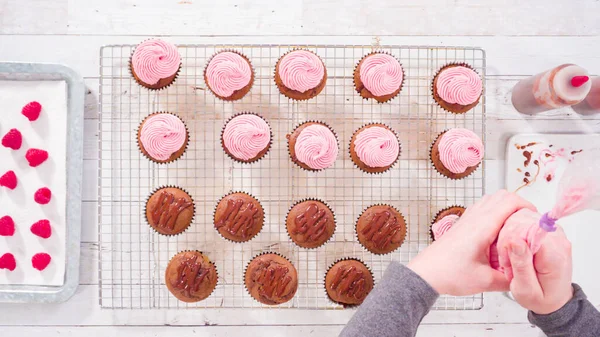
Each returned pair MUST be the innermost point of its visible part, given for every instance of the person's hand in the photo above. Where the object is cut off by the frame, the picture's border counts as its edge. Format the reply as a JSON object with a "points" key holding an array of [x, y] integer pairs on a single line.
{"points": [[542, 282], [458, 263]]}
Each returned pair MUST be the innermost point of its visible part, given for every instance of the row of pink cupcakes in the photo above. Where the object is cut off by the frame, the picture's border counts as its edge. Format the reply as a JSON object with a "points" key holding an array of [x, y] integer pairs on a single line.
{"points": [[312, 145], [300, 74]]}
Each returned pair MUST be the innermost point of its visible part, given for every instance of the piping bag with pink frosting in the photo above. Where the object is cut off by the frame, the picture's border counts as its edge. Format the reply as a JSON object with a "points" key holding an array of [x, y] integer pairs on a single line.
{"points": [[578, 190]]}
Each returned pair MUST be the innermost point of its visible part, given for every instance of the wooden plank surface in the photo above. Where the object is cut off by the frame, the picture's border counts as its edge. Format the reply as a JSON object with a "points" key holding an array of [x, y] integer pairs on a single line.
{"points": [[520, 38]]}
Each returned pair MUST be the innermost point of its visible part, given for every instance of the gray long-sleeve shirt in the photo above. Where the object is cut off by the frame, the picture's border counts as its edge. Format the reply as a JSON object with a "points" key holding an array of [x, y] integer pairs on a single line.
{"points": [[399, 302]]}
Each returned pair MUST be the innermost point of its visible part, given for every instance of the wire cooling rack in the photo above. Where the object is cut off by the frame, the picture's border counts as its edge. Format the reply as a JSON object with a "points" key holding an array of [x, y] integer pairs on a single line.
{"points": [[133, 258]]}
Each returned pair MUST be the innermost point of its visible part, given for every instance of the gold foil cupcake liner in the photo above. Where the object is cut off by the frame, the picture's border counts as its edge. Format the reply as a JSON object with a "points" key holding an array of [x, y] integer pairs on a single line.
{"points": [[250, 195], [139, 145], [252, 76], [268, 253], [316, 200], [279, 86], [209, 261], [268, 146], [462, 64], [436, 169], [288, 136], [433, 221], [376, 124], [345, 305], [130, 67], [387, 205], [356, 68], [154, 192]]}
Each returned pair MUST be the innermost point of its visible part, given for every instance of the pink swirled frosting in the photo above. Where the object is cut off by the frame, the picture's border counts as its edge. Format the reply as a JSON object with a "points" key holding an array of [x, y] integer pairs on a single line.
{"points": [[377, 146], [443, 225], [162, 135], [381, 74], [316, 146], [301, 70], [245, 136], [459, 85], [154, 60], [460, 149], [228, 72]]}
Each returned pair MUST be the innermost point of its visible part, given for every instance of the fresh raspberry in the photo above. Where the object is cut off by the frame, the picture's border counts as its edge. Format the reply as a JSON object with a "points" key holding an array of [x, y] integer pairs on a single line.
{"points": [[7, 226], [43, 196], [7, 261], [36, 157], [40, 261], [9, 179], [42, 229], [12, 139], [32, 110]]}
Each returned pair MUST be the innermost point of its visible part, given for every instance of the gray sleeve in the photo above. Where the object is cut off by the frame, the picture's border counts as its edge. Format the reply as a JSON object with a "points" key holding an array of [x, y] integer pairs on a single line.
{"points": [[576, 318], [395, 307]]}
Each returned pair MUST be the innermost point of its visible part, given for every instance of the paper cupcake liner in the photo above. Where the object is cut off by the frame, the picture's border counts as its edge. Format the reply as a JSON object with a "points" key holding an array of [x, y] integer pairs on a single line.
{"points": [[187, 138], [275, 72], [288, 136], [345, 305], [317, 200], [215, 213], [252, 78], [433, 165], [268, 147], [378, 124], [466, 65], [268, 253], [144, 85], [169, 186], [387, 205], [373, 53], [436, 216], [209, 261]]}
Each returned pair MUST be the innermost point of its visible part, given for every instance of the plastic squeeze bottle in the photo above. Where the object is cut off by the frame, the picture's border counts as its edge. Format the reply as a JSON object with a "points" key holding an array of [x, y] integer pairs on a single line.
{"points": [[565, 85]]}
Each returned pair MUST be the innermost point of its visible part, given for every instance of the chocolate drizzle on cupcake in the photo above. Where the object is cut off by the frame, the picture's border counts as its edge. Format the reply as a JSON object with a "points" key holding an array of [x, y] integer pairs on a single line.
{"points": [[238, 217], [350, 282], [311, 223], [381, 229], [190, 275], [271, 279], [166, 210]]}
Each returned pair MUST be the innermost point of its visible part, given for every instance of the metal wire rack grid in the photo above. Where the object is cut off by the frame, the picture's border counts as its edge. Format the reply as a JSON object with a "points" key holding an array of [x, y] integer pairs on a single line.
{"points": [[133, 258]]}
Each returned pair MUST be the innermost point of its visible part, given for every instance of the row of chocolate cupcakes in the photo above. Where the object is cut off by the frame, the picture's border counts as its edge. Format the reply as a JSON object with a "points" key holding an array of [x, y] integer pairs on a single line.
{"points": [[313, 145], [270, 278], [300, 74]]}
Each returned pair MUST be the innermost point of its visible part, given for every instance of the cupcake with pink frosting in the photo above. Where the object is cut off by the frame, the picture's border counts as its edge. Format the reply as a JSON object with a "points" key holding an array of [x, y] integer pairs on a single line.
{"points": [[456, 153], [444, 220], [300, 74], [313, 146], [229, 75], [162, 137], [457, 88], [379, 76], [155, 64], [246, 137], [374, 148]]}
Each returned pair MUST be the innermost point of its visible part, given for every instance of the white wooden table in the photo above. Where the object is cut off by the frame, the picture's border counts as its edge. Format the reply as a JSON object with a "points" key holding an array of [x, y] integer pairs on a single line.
{"points": [[520, 38]]}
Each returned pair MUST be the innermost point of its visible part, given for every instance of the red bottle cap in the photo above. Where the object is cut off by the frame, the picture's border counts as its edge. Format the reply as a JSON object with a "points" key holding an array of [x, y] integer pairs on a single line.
{"points": [[578, 81]]}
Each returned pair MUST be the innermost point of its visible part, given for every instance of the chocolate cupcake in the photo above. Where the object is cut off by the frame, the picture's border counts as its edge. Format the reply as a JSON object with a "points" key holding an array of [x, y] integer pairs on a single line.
{"points": [[379, 76], [348, 282], [191, 276], [162, 137], [170, 210], [155, 64], [239, 217], [300, 74], [374, 148], [444, 220], [313, 146], [229, 75], [246, 137], [457, 88], [310, 223], [271, 279], [456, 153], [381, 229]]}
